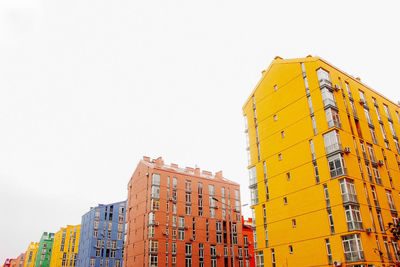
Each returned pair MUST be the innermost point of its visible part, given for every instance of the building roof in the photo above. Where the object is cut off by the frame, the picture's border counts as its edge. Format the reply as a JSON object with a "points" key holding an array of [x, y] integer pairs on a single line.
{"points": [[309, 58], [195, 172]]}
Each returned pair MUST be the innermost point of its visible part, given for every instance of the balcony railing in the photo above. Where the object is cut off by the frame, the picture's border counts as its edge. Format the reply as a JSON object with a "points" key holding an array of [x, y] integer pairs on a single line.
{"points": [[329, 102], [354, 256], [349, 198], [355, 226]]}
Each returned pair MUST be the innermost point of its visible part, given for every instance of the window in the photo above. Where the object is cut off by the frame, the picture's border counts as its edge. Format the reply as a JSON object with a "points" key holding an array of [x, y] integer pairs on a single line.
{"points": [[389, 255], [294, 223], [374, 196], [330, 217], [282, 134], [390, 200], [371, 153], [156, 179], [254, 196], [368, 116], [155, 204], [188, 249], [332, 141], [396, 249], [252, 176], [377, 176], [380, 220], [288, 176], [275, 118], [285, 200], [323, 77], [352, 248], [328, 250], [387, 112], [312, 149], [314, 124], [336, 165], [153, 246], [353, 217], [326, 193], [348, 190], [280, 156], [153, 261], [260, 258], [373, 135], [332, 116], [275, 88], [290, 249]]}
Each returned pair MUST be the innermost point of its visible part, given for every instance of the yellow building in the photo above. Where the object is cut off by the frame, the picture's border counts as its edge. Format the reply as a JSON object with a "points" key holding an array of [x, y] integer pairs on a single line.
{"points": [[324, 167], [30, 255], [65, 247]]}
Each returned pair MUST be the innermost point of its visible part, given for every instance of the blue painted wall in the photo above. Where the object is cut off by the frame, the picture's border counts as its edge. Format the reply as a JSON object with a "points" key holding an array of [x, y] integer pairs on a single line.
{"points": [[101, 217]]}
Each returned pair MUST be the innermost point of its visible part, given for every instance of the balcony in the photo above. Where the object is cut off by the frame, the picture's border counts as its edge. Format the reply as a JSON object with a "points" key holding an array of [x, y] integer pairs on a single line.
{"points": [[354, 226], [349, 198], [354, 256], [329, 103], [334, 123], [331, 149]]}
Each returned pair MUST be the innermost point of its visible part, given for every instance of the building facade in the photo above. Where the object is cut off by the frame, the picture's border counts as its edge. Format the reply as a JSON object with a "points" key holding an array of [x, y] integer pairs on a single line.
{"points": [[248, 242], [8, 262], [30, 254], [65, 247], [44, 250], [324, 167], [102, 236], [182, 217], [19, 261]]}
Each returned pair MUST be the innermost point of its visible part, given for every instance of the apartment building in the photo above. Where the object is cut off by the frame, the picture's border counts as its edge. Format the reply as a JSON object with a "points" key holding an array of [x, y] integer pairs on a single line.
{"points": [[324, 167], [44, 250], [248, 242], [101, 237], [182, 217], [31, 254], [19, 261], [65, 247]]}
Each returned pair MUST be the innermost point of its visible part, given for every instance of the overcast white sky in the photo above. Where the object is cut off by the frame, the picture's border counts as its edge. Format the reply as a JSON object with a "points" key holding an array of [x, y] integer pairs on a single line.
{"points": [[89, 87]]}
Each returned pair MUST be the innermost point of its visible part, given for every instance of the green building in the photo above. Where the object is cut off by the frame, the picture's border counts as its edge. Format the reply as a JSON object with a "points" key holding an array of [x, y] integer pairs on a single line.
{"points": [[44, 250]]}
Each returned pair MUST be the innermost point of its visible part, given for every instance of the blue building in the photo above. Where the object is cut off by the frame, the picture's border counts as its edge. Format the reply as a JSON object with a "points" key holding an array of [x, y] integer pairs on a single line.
{"points": [[102, 236]]}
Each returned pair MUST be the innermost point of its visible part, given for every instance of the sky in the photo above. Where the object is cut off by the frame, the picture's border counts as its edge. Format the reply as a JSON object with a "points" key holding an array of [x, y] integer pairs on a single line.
{"points": [[87, 88]]}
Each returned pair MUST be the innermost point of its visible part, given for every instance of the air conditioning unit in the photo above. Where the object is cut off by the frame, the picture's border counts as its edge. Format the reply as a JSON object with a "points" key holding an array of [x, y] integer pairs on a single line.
{"points": [[156, 223], [368, 230], [171, 199], [191, 239], [218, 255], [337, 88], [216, 207], [337, 263], [249, 242], [347, 150], [380, 162], [250, 256], [165, 233], [186, 227]]}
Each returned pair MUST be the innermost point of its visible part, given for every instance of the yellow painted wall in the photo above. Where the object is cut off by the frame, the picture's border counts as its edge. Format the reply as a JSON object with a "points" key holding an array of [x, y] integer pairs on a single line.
{"points": [[30, 255], [306, 200], [69, 249]]}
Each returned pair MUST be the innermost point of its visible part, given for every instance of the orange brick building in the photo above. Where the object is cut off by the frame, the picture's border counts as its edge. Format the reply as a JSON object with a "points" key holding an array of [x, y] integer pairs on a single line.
{"points": [[182, 217]]}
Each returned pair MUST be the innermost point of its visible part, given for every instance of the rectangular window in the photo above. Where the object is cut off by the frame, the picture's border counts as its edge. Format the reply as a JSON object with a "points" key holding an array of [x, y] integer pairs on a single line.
{"points": [[352, 248], [387, 112], [389, 255], [332, 116], [260, 259], [332, 141], [380, 220], [353, 217], [328, 250], [348, 190], [336, 165], [390, 200]]}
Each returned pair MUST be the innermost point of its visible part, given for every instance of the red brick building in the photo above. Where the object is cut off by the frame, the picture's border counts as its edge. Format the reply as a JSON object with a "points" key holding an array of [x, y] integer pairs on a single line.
{"points": [[248, 227], [182, 217]]}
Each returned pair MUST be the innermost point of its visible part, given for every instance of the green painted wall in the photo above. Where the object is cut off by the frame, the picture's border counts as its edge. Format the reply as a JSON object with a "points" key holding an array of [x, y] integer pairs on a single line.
{"points": [[44, 252]]}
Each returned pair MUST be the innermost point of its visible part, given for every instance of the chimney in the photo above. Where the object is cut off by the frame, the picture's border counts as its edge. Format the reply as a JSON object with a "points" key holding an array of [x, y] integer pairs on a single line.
{"points": [[174, 165], [147, 159], [197, 171], [358, 79], [218, 175], [159, 161], [208, 173], [189, 169]]}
